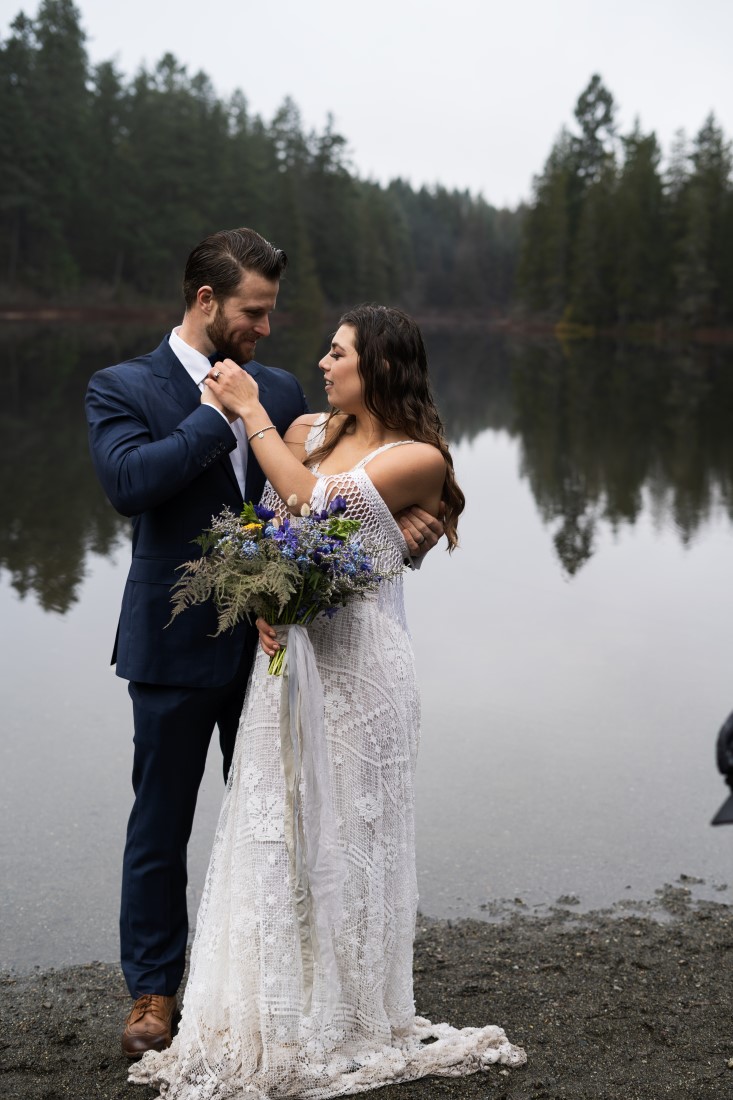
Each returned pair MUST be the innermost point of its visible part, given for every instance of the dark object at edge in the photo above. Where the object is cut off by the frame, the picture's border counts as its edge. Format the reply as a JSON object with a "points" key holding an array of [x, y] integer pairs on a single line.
{"points": [[724, 755]]}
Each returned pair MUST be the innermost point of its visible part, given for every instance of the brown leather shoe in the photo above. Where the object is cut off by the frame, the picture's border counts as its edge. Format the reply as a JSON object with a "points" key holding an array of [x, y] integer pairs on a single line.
{"points": [[149, 1025]]}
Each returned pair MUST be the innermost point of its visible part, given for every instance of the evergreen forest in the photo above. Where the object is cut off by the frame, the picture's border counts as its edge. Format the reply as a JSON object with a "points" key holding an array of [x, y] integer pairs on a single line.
{"points": [[106, 182]]}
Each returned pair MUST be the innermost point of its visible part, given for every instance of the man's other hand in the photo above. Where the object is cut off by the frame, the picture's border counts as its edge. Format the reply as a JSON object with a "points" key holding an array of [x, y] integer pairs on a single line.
{"points": [[420, 530]]}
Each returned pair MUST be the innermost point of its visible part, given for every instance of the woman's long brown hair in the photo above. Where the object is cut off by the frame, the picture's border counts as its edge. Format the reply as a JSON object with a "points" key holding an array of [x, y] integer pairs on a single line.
{"points": [[393, 366]]}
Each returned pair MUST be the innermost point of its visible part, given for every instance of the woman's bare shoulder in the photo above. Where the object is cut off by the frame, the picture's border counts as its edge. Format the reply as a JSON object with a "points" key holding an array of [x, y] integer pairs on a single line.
{"points": [[306, 420], [301, 427], [424, 456], [407, 475]]}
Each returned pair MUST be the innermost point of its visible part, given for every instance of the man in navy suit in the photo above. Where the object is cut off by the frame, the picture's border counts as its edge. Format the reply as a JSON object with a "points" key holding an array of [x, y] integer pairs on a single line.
{"points": [[170, 457]]}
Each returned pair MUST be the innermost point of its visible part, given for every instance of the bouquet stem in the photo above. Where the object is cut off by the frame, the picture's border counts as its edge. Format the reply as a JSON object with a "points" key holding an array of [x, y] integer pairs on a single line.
{"points": [[275, 667], [302, 618]]}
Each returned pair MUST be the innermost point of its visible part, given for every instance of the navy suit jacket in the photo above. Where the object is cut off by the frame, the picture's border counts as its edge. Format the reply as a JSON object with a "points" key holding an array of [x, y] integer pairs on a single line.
{"points": [[163, 459]]}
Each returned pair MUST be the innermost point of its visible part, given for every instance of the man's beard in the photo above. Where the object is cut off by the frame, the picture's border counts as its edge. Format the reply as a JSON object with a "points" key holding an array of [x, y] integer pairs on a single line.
{"points": [[216, 331]]}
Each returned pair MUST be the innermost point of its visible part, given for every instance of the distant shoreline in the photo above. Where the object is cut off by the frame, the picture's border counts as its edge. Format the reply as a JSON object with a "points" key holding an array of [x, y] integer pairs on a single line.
{"points": [[655, 333]]}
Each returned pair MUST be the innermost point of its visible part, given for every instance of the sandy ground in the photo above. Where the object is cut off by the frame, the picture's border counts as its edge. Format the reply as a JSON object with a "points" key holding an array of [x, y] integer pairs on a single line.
{"points": [[631, 1003]]}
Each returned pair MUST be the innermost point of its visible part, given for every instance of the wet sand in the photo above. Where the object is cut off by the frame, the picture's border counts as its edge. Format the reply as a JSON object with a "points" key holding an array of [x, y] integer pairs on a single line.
{"points": [[629, 1003]]}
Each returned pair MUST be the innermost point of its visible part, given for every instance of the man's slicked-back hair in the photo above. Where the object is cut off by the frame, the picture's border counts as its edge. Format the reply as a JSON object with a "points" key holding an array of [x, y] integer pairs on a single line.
{"points": [[221, 259]]}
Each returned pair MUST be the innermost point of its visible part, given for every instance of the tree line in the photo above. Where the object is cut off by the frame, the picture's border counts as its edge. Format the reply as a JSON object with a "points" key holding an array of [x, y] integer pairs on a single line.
{"points": [[611, 238], [106, 183]]}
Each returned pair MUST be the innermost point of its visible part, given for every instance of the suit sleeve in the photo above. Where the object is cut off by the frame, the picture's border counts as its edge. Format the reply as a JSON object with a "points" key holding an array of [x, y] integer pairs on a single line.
{"points": [[303, 399], [136, 471]]}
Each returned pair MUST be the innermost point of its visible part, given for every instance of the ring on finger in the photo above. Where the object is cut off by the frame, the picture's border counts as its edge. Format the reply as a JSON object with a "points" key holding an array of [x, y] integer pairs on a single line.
{"points": [[217, 376]]}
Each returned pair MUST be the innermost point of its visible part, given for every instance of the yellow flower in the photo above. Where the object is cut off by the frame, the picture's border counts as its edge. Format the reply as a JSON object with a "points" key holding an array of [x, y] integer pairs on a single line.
{"points": [[252, 527]]}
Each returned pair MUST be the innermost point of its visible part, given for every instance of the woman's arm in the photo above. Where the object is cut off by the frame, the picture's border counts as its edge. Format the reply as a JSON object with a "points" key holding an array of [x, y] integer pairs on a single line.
{"points": [[280, 461], [403, 476]]}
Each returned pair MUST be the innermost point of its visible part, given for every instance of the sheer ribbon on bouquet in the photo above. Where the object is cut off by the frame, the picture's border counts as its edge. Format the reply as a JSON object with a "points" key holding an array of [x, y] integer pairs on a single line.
{"points": [[317, 860]]}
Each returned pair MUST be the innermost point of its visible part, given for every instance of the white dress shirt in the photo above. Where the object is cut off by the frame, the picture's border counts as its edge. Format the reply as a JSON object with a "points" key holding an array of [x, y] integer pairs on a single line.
{"points": [[197, 366]]}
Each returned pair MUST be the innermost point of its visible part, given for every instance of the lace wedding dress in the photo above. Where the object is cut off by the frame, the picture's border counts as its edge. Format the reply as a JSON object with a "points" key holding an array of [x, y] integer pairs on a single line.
{"points": [[250, 1027]]}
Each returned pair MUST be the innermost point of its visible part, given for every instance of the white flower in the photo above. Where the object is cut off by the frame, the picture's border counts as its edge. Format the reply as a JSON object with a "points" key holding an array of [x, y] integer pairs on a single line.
{"points": [[292, 500], [251, 775], [305, 510], [266, 816], [368, 807]]}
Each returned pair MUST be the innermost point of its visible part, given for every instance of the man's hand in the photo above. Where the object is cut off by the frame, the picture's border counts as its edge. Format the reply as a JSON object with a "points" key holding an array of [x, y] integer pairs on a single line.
{"points": [[268, 638], [208, 397], [420, 530]]}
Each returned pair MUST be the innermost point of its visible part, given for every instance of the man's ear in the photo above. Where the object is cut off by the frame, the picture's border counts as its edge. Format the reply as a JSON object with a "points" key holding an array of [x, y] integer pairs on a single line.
{"points": [[205, 298]]}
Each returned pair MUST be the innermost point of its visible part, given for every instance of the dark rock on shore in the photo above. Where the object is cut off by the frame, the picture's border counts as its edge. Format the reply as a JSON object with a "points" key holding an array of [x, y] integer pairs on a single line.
{"points": [[632, 1003]]}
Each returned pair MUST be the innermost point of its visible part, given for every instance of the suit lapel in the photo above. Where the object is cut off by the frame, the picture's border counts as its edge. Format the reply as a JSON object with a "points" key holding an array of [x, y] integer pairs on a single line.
{"points": [[174, 379], [178, 385]]}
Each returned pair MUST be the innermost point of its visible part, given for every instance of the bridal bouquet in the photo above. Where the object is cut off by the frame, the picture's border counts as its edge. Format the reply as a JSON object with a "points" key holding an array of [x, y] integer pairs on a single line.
{"points": [[287, 572]]}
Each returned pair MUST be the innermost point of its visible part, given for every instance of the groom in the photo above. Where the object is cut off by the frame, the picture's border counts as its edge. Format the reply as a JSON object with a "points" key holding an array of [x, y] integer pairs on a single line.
{"points": [[170, 459]]}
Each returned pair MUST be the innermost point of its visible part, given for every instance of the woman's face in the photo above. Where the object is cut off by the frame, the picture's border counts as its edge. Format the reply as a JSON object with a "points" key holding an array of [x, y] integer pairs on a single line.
{"points": [[344, 388]]}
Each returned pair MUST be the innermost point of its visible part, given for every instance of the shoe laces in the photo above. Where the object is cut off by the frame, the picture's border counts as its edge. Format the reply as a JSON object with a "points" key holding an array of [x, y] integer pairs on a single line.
{"points": [[142, 1005]]}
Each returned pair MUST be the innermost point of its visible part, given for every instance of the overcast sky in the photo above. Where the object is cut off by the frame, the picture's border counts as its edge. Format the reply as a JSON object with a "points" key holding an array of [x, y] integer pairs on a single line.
{"points": [[466, 93]]}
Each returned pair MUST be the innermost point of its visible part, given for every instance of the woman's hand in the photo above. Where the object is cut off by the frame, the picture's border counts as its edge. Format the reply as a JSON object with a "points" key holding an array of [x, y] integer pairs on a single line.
{"points": [[420, 530], [268, 639], [234, 388]]}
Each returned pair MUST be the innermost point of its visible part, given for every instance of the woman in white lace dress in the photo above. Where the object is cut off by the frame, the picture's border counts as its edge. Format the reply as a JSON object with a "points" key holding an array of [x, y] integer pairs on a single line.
{"points": [[271, 1008]]}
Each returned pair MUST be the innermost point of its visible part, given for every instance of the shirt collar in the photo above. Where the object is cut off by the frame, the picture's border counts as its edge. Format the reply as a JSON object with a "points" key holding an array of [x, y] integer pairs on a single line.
{"points": [[195, 362]]}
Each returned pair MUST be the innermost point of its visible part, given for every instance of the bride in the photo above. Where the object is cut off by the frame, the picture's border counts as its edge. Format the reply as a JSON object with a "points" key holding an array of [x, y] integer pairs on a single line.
{"points": [[271, 1010]]}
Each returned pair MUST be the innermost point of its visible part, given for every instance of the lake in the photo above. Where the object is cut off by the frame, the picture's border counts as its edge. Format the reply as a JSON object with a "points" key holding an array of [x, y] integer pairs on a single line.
{"points": [[575, 653]]}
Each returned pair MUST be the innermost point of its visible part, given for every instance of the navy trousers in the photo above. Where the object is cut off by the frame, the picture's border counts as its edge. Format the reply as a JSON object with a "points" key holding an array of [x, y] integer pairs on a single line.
{"points": [[173, 728]]}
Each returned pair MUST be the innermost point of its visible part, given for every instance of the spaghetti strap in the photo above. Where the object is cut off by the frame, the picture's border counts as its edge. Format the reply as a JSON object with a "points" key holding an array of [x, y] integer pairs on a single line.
{"points": [[385, 447], [316, 434]]}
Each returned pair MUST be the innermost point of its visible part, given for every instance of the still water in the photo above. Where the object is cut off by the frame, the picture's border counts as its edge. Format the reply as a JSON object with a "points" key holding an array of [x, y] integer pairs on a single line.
{"points": [[576, 654]]}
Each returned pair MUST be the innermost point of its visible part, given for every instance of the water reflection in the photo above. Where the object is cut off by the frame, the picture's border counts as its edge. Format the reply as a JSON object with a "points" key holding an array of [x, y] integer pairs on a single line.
{"points": [[605, 433], [54, 511]]}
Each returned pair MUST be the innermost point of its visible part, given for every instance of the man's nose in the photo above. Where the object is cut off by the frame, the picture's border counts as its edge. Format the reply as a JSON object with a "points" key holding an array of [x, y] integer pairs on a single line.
{"points": [[263, 326]]}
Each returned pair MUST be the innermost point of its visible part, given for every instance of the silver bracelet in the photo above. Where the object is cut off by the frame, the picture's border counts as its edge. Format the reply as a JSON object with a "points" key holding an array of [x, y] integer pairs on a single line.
{"points": [[260, 433]]}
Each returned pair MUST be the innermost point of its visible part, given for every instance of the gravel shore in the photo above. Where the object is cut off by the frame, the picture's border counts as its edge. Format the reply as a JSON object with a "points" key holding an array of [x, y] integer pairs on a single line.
{"points": [[630, 1003]]}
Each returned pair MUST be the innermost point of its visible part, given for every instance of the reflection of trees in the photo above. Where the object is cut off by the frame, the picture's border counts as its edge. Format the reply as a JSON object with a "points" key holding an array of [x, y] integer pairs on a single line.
{"points": [[54, 511], [603, 428], [605, 433], [471, 375]]}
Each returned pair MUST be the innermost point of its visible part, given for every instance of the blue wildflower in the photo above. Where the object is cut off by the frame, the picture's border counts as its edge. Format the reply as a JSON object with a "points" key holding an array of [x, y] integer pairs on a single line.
{"points": [[338, 504], [263, 513]]}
